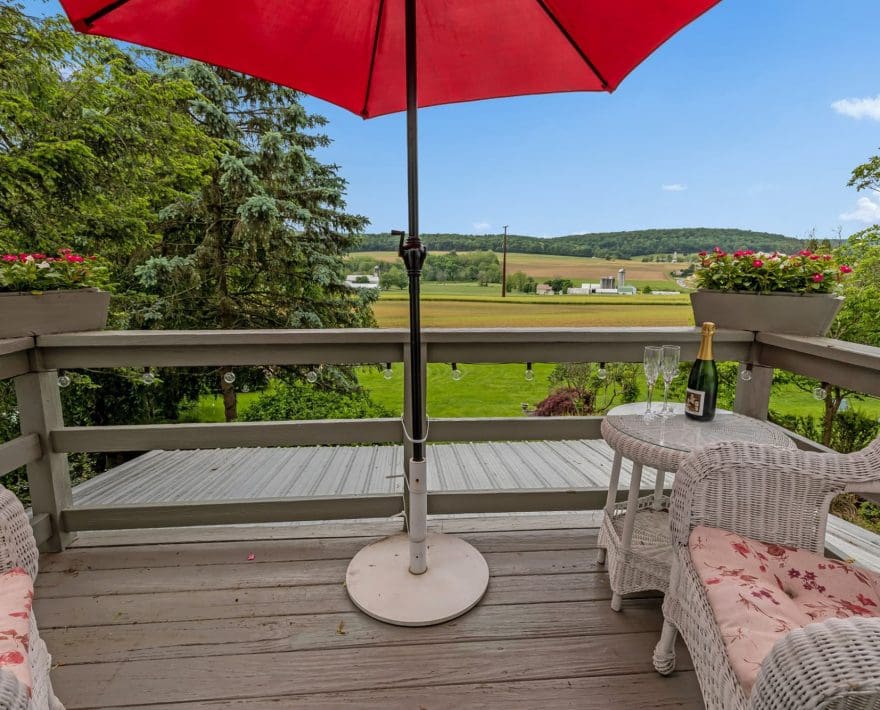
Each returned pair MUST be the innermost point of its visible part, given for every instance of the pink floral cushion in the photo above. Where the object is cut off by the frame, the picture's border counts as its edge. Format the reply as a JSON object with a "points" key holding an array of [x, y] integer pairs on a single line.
{"points": [[16, 597], [759, 592]]}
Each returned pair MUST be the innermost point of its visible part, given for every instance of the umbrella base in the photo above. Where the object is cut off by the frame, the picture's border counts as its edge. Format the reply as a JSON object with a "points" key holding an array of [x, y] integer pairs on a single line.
{"points": [[380, 584]]}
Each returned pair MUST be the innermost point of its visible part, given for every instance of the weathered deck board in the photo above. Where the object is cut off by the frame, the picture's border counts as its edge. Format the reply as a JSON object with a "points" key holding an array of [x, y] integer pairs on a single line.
{"points": [[351, 470], [171, 624]]}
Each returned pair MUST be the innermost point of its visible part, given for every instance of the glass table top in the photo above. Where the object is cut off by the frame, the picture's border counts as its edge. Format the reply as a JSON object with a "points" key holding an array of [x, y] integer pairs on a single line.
{"points": [[679, 433]]}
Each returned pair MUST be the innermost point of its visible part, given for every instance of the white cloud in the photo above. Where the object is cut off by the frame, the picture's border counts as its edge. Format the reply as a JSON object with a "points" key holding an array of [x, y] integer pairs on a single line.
{"points": [[859, 108], [867, 210], [674, 187], [481, 226]]}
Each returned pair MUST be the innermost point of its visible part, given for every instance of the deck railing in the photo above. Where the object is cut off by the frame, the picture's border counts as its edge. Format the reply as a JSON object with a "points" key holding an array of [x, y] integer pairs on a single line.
{"points": [[46, 441]]}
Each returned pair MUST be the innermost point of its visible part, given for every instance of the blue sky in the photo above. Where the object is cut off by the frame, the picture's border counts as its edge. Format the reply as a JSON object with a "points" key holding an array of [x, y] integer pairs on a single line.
{"points": [[730, 124]]}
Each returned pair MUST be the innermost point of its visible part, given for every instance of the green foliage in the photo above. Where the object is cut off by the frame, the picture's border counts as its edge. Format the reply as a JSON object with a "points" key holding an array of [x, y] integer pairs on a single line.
{"points": [[393, 277], [522, 282], [39, 272], [852, 430], [603, 245], [92, 145], [479, 266], [755, 271], [560, 285], [588, 390], [299, 400]]}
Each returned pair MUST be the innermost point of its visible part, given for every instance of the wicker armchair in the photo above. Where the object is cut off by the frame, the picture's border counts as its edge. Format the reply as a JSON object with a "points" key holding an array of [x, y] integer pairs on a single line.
{"points": [[18, 549], [777, 496]]}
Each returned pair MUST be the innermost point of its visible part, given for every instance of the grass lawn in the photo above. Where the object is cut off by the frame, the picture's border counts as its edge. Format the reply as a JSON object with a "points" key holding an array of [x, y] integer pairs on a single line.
{"points": [[495, 390]]}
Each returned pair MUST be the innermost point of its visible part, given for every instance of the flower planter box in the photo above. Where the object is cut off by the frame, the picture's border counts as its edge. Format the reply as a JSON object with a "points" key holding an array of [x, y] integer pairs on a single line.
{"points": [[52, 312], [791, 313]]}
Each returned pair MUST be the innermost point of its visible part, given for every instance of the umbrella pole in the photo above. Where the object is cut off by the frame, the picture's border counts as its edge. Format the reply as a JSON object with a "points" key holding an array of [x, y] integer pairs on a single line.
{"points": [[413, 253], [377, 581]]}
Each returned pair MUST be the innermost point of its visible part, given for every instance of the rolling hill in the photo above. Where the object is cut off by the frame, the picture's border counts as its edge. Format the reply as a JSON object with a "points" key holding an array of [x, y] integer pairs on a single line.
{"points": [[619, 245]]}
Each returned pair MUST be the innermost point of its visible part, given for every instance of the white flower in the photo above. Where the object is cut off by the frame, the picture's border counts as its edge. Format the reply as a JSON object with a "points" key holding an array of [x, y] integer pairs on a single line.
{"points": [[44, 265], [29, 259]]}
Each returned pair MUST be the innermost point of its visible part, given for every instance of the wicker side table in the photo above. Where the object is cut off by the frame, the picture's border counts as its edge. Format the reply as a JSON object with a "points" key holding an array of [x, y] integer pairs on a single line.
{"points": [[634, 536]]}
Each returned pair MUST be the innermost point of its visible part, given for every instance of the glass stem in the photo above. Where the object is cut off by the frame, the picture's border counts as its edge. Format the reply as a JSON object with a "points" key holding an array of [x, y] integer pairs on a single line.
{"points": [[665, 396], [650, 398]]}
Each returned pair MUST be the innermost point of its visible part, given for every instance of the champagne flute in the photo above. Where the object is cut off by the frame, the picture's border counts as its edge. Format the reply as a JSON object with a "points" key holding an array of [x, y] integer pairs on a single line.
{"points": [[669, 358], [651, 363]]}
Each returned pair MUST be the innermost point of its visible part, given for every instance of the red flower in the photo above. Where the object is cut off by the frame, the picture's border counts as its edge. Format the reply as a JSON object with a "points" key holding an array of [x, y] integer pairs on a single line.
{"points": [[805, 252], [818, 278], [10, 257], [717, 250], [757, 263], [815, 257], [38, 256], [702, 253], [828, 257], [844, 269]]}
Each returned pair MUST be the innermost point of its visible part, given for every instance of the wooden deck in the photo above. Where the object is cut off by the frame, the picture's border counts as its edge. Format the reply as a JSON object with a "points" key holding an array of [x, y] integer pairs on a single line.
{"points": [[251, 473], [181, 619]]}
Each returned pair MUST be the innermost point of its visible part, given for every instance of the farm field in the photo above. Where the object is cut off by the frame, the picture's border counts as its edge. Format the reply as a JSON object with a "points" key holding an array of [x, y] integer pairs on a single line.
{"points": [[458, 313], [570, 267]]}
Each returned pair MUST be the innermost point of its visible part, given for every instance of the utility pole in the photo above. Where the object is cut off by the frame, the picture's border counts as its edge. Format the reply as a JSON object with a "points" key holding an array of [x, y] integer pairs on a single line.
{"points": [[504, 266]]}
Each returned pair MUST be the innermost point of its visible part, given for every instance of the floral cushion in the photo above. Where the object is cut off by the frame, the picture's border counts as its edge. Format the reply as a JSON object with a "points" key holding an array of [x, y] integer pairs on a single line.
{"points": [[16, 597], [759, 592]]}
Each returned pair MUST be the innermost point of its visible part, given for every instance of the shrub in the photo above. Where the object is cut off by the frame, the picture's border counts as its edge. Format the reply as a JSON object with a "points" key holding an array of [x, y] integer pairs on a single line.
{"points": [[565, 401], [299, 400]]}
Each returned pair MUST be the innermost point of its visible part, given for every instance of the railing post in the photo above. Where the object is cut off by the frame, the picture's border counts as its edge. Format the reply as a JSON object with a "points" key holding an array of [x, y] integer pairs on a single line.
{"points": [[753, 395], [39, 407]]}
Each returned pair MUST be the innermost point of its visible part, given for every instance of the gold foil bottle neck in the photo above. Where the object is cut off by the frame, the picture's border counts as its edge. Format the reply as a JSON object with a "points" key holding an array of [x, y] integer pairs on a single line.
{"points": [[708, 331]]}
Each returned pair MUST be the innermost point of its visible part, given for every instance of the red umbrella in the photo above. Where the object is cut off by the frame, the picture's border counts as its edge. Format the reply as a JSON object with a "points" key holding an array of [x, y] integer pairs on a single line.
{"points": [[363, 56]]}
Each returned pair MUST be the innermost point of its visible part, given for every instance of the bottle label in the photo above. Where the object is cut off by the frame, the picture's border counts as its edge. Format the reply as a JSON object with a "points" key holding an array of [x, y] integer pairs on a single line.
{"points": [[694, 402]]}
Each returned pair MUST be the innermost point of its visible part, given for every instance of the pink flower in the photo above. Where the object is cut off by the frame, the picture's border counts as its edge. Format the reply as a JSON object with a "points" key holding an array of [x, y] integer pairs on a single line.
{"points": [[814, 257], [827, 257], [757, 263], [818, 278], [805, 252], [702, 253], [10, 257], [844, 269]]}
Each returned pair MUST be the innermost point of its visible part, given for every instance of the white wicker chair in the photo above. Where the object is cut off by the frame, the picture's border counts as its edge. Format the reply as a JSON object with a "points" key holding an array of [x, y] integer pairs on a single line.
{"points": [[18, 549], [776, 496]]}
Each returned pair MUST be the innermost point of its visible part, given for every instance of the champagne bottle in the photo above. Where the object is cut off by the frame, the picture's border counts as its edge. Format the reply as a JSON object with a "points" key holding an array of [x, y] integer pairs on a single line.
{"points": [[702, 389]]}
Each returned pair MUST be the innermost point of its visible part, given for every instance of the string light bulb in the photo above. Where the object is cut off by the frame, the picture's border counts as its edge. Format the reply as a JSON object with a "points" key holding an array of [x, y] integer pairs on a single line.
{"points": [[229, 377], [64, 380], [312, 377], [602, 373], [820, 393], [387, 373], [530, 375], [456, 373], [148, 377]]}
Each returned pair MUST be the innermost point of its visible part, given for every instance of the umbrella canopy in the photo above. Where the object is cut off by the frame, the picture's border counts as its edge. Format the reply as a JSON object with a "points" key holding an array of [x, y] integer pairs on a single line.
{"points": [[375, 57], [352, 52]]}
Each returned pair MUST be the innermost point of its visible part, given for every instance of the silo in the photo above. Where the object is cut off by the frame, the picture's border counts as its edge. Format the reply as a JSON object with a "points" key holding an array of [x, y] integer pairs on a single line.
{"points": [[621, 278]]}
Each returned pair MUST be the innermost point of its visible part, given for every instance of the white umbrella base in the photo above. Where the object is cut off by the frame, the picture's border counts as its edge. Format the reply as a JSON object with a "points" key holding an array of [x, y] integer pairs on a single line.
{"points": [[380, 584]]}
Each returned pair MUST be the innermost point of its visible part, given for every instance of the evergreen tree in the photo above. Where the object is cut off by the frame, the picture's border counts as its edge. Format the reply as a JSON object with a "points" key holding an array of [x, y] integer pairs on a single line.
{"points": [[261, 243]]}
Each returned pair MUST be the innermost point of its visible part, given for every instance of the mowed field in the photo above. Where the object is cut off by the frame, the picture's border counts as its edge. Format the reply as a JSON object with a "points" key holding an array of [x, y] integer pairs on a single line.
{"points": [[547, 266], [553, 312], [468, 305]]}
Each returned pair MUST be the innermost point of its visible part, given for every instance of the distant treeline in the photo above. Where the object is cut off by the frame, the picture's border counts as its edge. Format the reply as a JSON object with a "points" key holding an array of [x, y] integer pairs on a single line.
{"points": [[613, 245]]}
